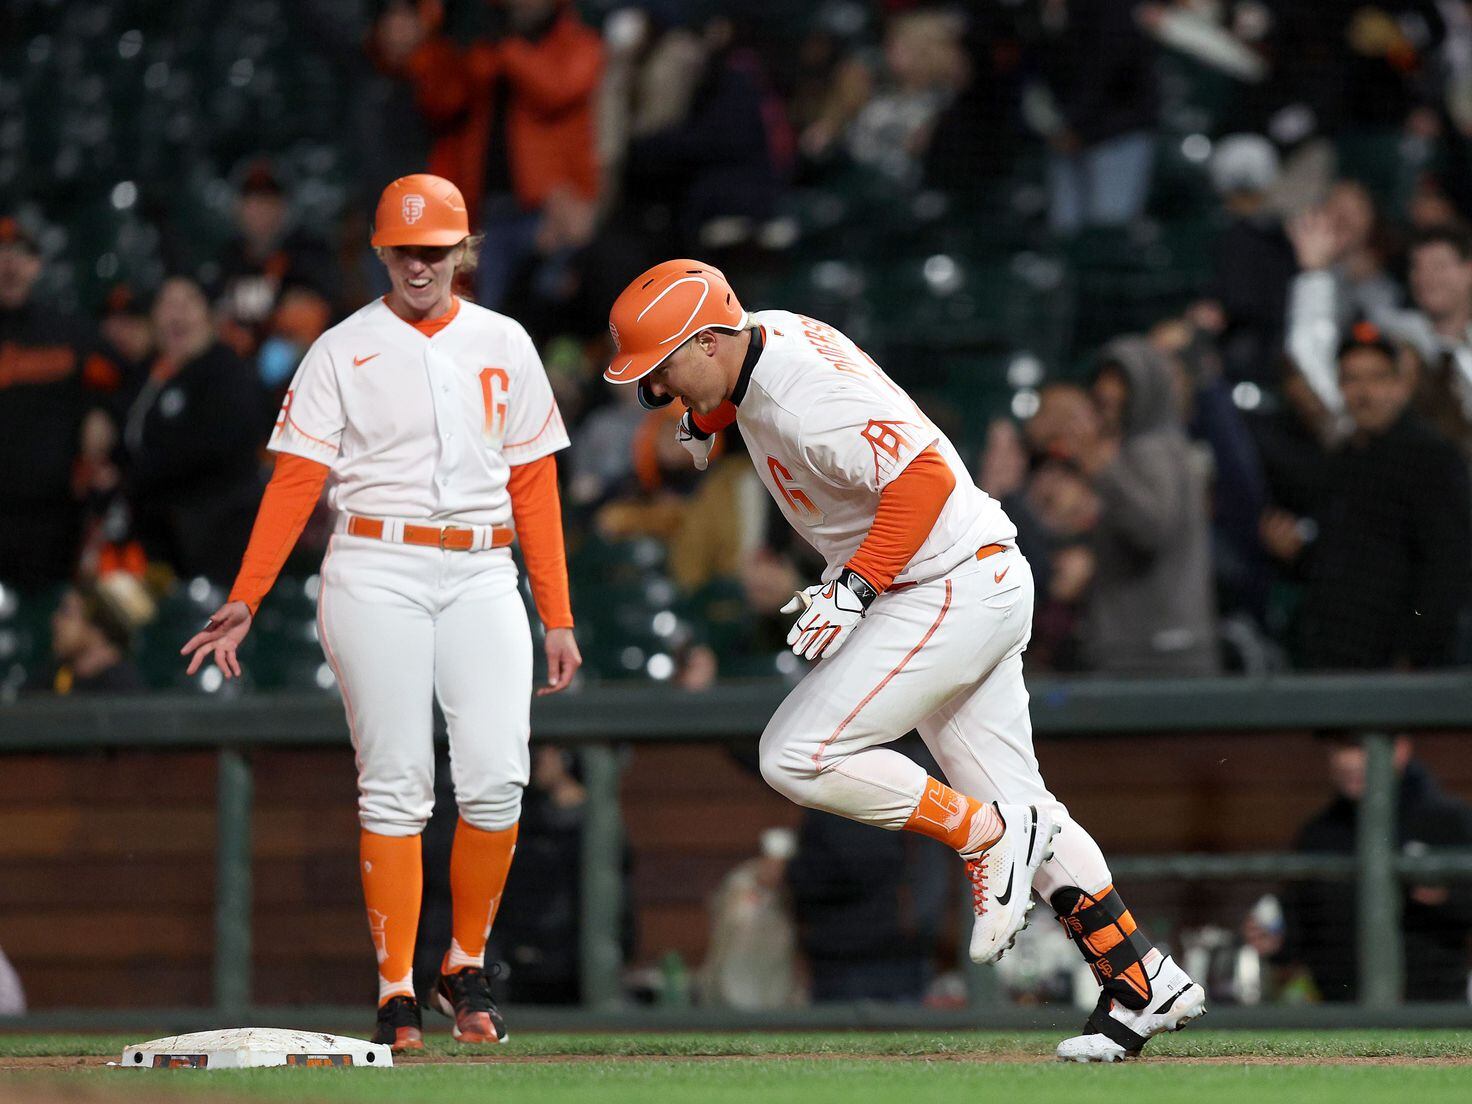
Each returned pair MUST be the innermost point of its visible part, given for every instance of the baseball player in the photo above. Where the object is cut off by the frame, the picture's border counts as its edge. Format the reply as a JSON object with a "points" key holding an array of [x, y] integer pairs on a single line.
{"points": [[436, 424], [919, 622]]}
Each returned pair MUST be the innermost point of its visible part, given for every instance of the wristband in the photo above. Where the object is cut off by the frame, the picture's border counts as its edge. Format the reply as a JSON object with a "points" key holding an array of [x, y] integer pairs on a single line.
{"points": [[863, 591]]}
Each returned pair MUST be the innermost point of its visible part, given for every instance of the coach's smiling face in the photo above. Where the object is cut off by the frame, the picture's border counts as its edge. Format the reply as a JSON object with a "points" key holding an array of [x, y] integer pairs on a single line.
{"points": [[422, 277]]}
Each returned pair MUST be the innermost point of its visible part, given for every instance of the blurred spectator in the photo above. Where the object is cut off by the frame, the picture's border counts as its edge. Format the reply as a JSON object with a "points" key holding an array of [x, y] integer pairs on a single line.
{"points": [[663, 480], [975, 137], [127, 340], [92, 639], [391, 137], [752, 960], [603, 453], [536, 935], [1150, 604], [52, 432], [1386, 556], [1099, 71], [513, 114], [1238, 482], [719, 165], [12, 995], [191, 443], [1254, 261], [924, 68], [868, 903], [267, 259], [832, 78], [1438, 329], [1320, 917]]}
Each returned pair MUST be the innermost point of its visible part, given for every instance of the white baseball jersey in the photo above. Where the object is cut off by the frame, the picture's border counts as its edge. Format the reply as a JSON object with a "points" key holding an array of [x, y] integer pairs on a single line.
{"points": [[421, 428], [828, 430]]}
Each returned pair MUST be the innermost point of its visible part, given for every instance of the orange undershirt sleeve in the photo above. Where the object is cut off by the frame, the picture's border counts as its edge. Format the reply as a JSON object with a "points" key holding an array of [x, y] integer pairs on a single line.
{"points": [[296, 485], [537, 508], [907, 511], [717, 420]]}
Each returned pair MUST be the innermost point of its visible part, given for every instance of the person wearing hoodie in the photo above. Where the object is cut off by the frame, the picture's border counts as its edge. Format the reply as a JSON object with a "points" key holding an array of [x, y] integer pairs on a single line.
{"points": [[1150, 608]]}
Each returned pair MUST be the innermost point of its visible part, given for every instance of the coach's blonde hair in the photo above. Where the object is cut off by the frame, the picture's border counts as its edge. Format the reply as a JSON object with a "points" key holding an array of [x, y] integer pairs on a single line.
{"points": [[469, 259]]}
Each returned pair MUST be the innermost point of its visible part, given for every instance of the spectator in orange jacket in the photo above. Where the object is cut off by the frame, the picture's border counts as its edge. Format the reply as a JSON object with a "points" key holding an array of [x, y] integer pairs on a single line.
{"points": [[515, 131]]}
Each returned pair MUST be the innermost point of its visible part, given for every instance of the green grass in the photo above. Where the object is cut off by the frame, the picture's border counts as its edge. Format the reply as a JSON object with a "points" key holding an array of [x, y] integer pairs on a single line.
{"points": [[809, 1068]]}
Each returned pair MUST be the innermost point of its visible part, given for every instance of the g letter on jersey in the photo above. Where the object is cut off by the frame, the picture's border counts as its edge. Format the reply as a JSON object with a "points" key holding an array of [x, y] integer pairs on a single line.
{"points": [[794, 495]]}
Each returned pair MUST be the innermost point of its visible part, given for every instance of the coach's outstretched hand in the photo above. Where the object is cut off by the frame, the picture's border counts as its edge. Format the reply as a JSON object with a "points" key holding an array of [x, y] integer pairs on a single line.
{"points": [[220, 637], [563, 661], [827, 613]]}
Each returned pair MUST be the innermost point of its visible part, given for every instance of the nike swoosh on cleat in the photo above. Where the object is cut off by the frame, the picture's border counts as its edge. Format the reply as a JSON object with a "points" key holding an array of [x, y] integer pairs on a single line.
{"points": [[1006, 895], [1168, 1005]]}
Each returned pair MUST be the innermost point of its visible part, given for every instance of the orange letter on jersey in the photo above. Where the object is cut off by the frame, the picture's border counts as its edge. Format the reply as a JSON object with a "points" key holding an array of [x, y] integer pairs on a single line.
{"points": [[492, 380], [885, 436], [796, 497]]}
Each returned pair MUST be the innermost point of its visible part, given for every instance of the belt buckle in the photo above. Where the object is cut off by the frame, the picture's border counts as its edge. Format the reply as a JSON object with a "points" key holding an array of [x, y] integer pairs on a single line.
{"points": [[447, 531]]}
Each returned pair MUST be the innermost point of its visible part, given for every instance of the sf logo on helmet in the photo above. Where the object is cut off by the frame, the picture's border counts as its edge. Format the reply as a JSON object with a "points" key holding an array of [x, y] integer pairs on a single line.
{"points": [[413, 208]]}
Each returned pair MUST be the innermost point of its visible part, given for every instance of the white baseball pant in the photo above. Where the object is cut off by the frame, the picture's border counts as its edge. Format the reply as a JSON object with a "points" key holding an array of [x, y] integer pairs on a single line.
{"points": [[403, 625], [945, 658]]}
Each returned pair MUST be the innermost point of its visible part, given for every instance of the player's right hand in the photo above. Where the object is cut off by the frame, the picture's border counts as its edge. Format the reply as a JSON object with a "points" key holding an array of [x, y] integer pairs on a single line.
{"points": [[220, 637], [690, 440]]}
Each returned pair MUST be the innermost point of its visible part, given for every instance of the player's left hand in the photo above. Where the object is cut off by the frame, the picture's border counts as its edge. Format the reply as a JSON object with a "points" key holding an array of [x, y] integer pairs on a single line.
{"points": [[690, 440], [563, 660], [827, 613]]}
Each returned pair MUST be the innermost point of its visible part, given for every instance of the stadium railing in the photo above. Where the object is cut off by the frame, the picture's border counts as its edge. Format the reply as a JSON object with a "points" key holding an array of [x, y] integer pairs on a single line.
{"points": [[598, 719]]}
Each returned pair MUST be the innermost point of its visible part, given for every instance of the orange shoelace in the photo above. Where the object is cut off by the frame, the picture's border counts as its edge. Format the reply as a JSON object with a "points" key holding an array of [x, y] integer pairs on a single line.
{"points": [[976, 872]]}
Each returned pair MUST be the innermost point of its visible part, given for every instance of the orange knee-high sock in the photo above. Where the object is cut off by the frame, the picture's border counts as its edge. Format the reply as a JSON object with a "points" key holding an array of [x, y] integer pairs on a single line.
{"points": [[958, 821], [479, 863], [393, 883], [1099, 923]]}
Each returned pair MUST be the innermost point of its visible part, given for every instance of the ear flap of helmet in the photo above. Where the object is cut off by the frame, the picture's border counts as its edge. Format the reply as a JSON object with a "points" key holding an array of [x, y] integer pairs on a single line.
{"points": [[648, 399]]}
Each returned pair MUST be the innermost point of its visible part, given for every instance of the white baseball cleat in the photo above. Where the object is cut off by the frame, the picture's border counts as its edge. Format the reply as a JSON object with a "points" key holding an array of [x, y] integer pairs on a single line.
{"points": [[1001, 879], [1115, 1032]]}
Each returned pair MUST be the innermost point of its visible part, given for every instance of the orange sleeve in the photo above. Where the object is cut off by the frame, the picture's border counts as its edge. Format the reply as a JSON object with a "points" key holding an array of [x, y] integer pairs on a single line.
{"points": [[907, 511], [537, 508], [296, 485], [717, 420]]}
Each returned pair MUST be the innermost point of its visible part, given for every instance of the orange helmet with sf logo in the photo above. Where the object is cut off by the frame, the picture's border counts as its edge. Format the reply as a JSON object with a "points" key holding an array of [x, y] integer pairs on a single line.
{"points": [[421, 209], [661, 310]]}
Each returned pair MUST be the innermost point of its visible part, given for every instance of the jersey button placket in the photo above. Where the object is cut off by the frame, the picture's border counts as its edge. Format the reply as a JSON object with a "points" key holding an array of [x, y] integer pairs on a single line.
{"points": [[443, 419]]}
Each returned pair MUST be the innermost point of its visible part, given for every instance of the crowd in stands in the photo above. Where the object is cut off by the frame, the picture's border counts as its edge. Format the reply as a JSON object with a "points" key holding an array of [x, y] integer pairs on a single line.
{"points": [[1191, 281]]}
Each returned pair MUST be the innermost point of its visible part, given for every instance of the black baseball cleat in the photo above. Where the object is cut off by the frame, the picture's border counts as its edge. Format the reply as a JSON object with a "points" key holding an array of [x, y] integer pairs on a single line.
{"points": [[399, 1025], [465, 996]]}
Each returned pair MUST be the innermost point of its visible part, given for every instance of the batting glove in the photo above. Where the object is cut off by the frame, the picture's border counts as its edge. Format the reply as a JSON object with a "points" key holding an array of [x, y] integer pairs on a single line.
{"points": [[827, 613], [690, 438]]}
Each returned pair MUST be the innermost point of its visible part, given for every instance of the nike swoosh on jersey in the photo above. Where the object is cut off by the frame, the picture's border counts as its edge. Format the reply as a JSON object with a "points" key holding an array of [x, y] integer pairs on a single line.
{"points": [[358, 362]]}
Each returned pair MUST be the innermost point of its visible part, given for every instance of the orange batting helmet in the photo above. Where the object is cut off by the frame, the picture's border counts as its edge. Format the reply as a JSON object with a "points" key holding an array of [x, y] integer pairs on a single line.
{"points": [[421, 209], [661, 310]]}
